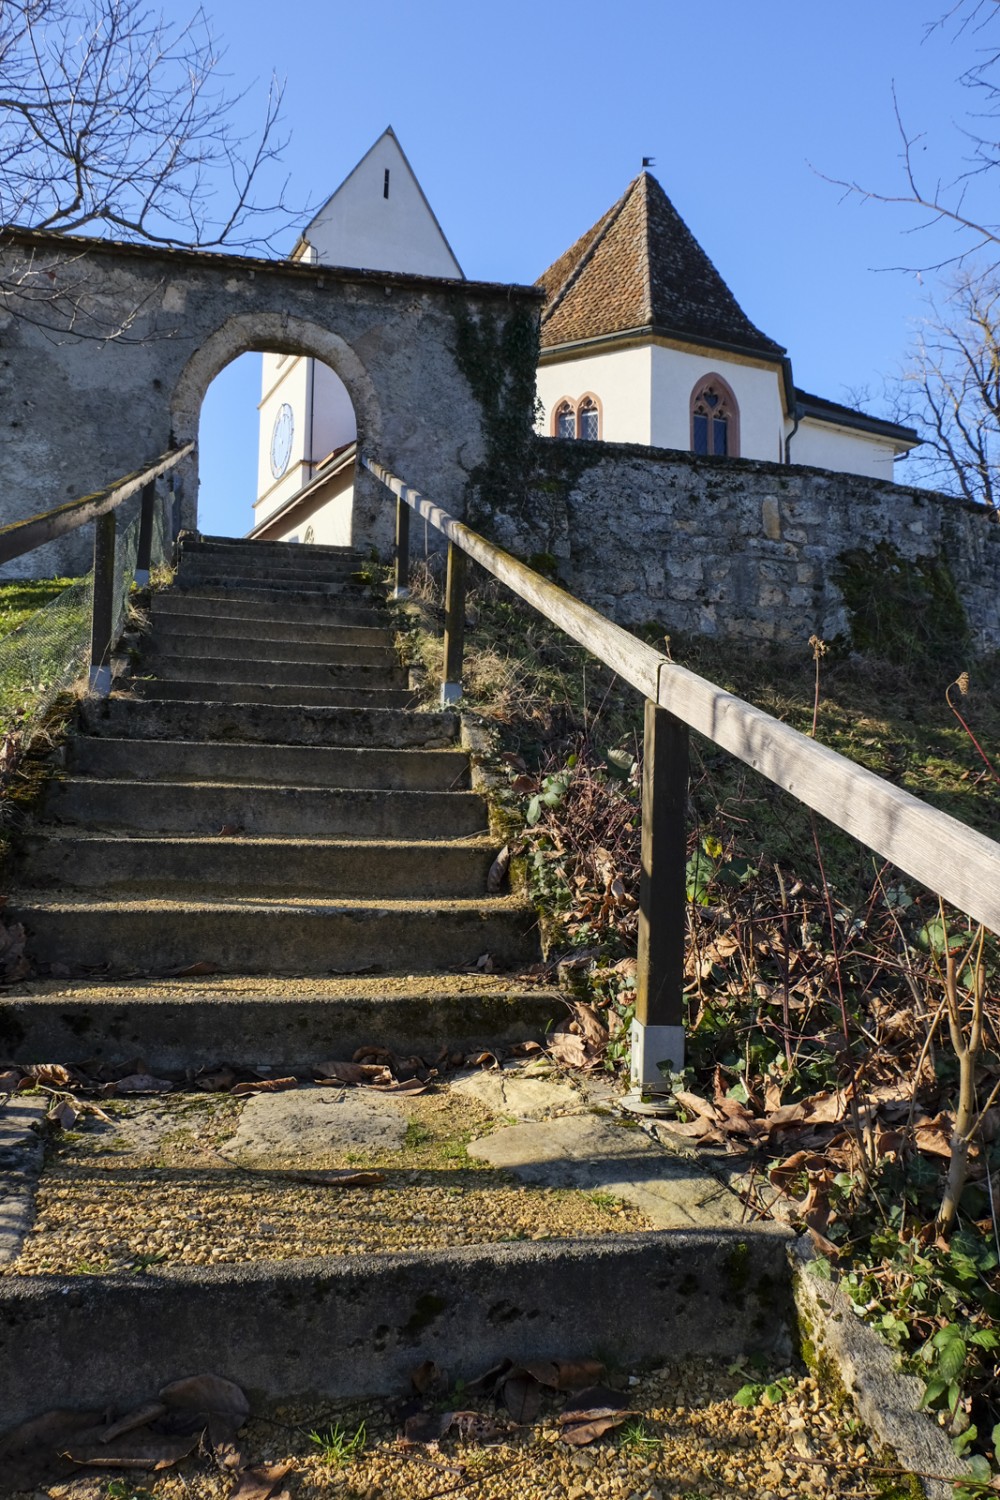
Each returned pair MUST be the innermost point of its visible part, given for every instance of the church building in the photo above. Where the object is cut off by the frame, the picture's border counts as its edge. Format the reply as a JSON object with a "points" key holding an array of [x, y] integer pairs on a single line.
{"points": [[641, 342]]}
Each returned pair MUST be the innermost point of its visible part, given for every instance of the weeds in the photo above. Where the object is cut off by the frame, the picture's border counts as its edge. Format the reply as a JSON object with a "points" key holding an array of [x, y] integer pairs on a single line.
{"points": [[338, 1448]]}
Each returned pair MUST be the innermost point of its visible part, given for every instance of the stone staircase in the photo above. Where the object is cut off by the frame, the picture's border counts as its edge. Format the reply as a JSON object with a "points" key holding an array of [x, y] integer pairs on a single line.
{"points": [[270, 801]]}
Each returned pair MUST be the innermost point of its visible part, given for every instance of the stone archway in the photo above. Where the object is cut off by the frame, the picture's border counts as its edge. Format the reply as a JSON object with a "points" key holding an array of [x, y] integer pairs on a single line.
{"points": [[278, 333]]}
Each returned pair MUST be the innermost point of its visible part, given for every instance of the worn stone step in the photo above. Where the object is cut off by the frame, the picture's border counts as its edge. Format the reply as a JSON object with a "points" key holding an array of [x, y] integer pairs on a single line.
{"points": [[267, 605], [425, 869], [270, 626], [240, 546], [257, 572], [283, 1329], [250, 1020], [273, 936], [169, 645], [206, 807], [271, 765], [226, 556], [291, 694], [122, 715], [247, 667], [272, 587]]}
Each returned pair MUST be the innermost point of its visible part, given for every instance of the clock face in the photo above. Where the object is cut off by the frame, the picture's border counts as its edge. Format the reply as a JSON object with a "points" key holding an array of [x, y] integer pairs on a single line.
{"points": [[281, 440]]}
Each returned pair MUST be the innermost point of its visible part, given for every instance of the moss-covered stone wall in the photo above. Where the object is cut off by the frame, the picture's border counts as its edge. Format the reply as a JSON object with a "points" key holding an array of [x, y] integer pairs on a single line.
{"points": [[770, 552]]}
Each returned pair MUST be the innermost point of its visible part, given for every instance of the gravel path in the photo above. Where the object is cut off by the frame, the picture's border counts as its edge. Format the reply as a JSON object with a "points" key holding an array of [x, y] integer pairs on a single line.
{"points": [[154, 1188], [689, 1441]]}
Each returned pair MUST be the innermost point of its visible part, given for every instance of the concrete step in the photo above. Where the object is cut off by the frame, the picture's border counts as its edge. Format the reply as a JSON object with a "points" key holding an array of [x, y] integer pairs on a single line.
{"points": [[206, 807], [276, 572], [124, 716], [427, 869], [305, 590], [167, 645], [273, 936], [247, 667], [295, 605], [290, 694], [246, 1020], [270, 765], [270, 626], [241, 546]]}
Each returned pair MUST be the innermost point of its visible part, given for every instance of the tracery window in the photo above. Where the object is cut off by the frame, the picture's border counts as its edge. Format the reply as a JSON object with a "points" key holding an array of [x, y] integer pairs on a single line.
{"points": [[565, 423], [577, 419], [715, 419], [588, 419]]}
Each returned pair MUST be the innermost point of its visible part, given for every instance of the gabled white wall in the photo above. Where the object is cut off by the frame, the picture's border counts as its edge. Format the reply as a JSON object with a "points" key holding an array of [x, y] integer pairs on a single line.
{"points": [[676, 372], [324, 420], [620, 379], [843, 449], [360, 226]]}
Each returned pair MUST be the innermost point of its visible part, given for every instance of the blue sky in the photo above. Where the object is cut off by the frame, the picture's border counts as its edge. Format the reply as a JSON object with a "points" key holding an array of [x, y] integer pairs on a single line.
{"points": [[525, 122]]}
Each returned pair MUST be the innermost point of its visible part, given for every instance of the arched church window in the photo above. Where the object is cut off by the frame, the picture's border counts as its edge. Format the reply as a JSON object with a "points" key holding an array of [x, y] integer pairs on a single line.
{"points": [[715, 419], [565, 420], [589, 418]]}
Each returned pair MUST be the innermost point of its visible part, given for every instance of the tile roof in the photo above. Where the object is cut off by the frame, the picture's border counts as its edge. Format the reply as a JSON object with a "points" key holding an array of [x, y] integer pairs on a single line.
{"points": [[640, 266]]}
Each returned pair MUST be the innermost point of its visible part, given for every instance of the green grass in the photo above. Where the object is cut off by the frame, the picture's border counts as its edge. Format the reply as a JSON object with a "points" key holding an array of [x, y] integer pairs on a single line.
{"points": [[20, 598], [338, 1448]]}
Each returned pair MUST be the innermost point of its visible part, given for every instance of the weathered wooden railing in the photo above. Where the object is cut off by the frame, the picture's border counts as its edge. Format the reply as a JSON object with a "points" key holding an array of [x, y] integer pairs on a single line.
{"points": [[101, 507], [943, 854]]}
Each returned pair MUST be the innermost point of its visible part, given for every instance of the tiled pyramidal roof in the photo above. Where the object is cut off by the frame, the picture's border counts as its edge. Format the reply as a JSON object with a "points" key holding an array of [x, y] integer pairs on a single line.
{"points": [[639, 267]]}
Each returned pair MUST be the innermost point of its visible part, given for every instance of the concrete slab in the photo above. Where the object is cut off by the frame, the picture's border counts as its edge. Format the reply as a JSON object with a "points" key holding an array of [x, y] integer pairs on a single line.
{"points": [[506, 1093], [589, 1151], [308, 1123]]}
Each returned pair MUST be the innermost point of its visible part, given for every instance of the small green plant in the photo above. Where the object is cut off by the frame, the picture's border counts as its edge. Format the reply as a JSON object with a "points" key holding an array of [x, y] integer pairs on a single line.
{"points": [[143, 1262], [636, 1438], [122, 1489], [336, 1447], [416, 1134], [601, 1199], [756, 1391]]}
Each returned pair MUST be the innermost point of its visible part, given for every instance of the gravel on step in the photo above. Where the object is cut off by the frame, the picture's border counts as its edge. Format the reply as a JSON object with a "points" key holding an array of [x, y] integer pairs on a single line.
{"points": [[687, 1441]]}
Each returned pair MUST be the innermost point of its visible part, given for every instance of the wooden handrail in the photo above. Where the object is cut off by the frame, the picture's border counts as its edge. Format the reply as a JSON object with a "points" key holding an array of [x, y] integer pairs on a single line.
{"points": [[943, 854], [24, 536]]}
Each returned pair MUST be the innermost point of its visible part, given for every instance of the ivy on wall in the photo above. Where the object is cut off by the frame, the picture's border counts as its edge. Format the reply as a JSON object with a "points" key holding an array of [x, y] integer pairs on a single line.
{"points": [[498, 354]]}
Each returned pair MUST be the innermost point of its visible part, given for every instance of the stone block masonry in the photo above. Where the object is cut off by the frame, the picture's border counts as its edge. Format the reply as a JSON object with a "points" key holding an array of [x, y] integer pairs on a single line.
{"points": [[759, 551]]}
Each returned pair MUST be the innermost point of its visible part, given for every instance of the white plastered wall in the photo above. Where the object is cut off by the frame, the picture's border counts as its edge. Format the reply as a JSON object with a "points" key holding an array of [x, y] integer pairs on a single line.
{"points": [[323, 417], [620, 379], [360, 226], [823, 445], [676, 372], [328, 513]]}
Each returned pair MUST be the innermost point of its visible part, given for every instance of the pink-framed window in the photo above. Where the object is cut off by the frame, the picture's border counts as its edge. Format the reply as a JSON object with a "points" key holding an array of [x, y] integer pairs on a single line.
{"points": [[577, 419], [715, 419]]}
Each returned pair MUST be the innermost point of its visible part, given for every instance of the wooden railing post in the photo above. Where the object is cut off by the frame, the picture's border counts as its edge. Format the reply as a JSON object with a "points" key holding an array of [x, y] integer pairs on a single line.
{"points": [[402, 584], [658, 1028], [454, 625], [102, 619], [145, 545]]}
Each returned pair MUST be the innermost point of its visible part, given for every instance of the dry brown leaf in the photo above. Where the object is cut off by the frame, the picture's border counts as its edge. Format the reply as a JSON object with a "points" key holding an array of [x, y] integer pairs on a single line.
{"points": [[498, 870], [696, 1105], [427, 1427], [566, 1374], [198, 1398], [592, 1413], [150, 1411], [192, 971], [64, 1113], [934, 1136], [572, 1050], [785, 1175], [49, 1075], [401, 1086], [134, 1450], [264, 1086], [229, 830], [216, 1080], [473, 1426], [522, 1396], [31, 1452], [260, 1482], [9, 1081], [352, 1072]]}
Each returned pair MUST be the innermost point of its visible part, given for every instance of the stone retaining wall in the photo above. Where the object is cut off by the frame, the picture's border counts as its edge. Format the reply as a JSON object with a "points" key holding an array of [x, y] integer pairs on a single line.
{"points": [[762, 551]]}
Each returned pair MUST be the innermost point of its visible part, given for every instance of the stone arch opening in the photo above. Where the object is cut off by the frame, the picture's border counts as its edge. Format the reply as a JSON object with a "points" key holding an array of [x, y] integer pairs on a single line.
{"points": [[312, 348]]}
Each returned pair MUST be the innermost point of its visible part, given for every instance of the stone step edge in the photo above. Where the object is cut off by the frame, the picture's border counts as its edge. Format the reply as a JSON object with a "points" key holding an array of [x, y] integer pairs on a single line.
{"points": [[275, 1027], [635, 1299]]}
